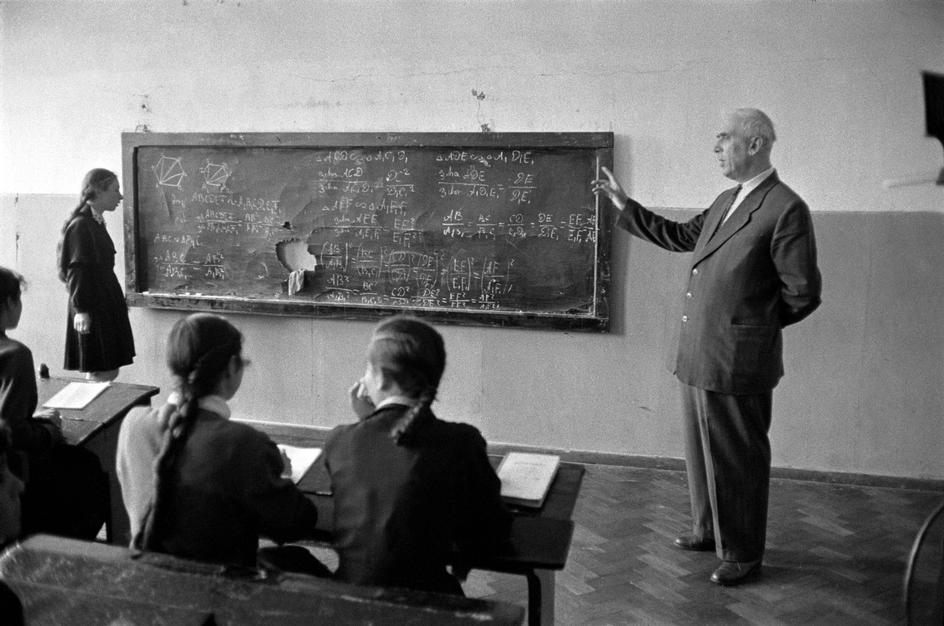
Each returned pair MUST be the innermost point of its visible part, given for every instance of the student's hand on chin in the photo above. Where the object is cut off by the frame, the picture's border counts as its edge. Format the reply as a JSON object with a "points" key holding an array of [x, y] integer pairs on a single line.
{"points": [[360, 401]]}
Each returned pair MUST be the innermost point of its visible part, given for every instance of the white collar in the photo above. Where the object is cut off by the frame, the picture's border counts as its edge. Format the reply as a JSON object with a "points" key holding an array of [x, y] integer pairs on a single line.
{"points": [[96, 215], [746, 187], [750, 185], [404, 400], [212, 403]]}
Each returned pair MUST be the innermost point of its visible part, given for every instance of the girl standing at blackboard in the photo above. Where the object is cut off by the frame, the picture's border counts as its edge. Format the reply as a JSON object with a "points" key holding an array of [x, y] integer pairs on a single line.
{"points": [[98, 333], [409, 487]]}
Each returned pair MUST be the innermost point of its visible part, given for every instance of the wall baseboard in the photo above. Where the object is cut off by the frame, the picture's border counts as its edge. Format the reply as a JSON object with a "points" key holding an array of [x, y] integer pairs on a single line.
{"points": [[315, 436]]}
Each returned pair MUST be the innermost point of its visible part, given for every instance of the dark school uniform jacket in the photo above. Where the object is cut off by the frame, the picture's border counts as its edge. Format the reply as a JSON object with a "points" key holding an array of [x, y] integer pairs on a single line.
{"points": [[400, 511], [88, 260], [18, 398], [226, 492], [66, 490], [750, 277]]}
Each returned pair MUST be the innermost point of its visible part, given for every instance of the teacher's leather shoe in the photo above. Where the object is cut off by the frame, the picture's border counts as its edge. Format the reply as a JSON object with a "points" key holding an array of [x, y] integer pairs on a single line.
{"points": [[697, 544], [732, 573]]}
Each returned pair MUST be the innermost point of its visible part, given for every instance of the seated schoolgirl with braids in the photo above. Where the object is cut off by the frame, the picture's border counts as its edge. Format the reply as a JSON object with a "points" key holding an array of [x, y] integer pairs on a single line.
{"points": [[195, 484], [409, 487], [66, 490]]}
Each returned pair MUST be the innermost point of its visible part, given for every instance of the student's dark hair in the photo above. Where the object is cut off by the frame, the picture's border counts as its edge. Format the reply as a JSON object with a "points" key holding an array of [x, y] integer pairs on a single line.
{"points": [[199, 349], [95, 181], [411, 353], [12, 284]]}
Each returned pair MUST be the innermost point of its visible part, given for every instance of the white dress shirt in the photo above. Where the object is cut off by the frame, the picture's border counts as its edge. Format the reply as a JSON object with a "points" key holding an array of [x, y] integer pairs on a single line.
{"points": [[747, 187]]}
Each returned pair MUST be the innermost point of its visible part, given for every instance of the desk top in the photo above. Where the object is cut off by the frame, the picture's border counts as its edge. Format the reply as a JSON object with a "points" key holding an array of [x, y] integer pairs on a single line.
{"points": [[540, 537], [80, 424], [559, 504], [64, 581]]}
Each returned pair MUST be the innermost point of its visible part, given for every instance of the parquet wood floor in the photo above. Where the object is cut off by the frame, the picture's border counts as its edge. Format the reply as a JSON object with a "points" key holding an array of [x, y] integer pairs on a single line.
{"points": [[836, 554]]}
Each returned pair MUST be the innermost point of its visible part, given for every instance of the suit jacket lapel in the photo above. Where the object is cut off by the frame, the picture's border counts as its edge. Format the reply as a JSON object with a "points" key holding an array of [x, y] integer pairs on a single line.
{"points": [[720, 208], [738, 220]]}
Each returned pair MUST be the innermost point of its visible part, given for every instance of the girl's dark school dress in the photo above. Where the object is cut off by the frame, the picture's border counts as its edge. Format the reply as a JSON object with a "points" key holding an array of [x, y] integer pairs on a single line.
{"points": [[87, 263]]}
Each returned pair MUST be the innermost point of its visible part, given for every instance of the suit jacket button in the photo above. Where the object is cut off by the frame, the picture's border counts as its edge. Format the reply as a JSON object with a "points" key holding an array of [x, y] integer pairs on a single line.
{"points": [[684, 318], [695, 271], [688, 294]]}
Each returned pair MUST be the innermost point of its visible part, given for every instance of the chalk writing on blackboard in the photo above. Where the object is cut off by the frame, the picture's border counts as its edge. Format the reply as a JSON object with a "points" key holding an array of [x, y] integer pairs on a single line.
{"points": [[168, 172], [494, 230], [215, 176]]}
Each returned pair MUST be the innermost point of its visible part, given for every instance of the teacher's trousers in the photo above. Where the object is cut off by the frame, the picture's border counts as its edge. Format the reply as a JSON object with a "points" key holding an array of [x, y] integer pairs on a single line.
{"points": [[727, 456]]}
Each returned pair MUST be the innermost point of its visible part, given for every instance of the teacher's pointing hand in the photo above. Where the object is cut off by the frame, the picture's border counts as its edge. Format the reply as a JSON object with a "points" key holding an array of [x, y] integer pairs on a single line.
{"points": [[611, 188]]}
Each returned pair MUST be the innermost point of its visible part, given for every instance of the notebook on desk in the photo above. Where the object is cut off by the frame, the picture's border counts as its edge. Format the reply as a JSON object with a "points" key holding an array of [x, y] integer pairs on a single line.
{"points": [[526, 477]]}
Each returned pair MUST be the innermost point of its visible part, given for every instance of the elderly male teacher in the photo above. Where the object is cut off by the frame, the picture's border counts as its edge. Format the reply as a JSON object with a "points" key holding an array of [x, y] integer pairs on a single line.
{"points": [[753, 272]]}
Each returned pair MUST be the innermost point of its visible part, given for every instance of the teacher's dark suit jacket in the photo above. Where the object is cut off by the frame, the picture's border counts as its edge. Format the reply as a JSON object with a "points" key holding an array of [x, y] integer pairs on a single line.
{"points": [[750, 277]]}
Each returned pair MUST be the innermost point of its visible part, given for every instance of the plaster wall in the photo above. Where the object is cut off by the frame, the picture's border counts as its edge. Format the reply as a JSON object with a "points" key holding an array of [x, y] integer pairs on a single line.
{"points": [[841, 80]]}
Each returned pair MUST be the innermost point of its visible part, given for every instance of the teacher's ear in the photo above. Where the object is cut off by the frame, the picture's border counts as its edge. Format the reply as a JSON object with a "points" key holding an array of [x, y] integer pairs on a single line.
{"points": [[756, 145]]}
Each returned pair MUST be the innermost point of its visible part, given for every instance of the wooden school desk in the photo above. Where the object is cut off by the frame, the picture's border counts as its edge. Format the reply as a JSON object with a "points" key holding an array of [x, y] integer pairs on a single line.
{"points": [[95, 428], [64, 581], [540, 538]]}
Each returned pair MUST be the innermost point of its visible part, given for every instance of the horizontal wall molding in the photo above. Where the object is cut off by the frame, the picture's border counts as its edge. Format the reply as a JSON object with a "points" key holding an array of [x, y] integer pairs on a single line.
{"points": [[314, 436]]}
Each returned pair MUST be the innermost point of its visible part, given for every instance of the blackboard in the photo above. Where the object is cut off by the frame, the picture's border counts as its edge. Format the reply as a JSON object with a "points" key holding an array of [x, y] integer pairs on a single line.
{"points": [[484, 228]]}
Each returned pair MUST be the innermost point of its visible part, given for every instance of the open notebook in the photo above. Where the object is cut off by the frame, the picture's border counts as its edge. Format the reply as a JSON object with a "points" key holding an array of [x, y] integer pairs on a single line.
{"points": [[526, 477], [302, 459]]}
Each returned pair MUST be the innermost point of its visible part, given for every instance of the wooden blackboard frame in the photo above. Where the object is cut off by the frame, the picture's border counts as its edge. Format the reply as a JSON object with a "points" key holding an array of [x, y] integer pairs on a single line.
{"points": [[599, 143]]}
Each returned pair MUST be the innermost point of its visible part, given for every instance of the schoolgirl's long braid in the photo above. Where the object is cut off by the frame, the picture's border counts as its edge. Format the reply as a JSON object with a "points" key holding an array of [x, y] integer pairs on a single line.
{"points": [[412, 353], [199, 349], [95, 180], [404, 431]]}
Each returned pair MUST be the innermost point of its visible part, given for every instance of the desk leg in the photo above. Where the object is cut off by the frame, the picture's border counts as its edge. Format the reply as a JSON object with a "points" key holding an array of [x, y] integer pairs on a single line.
{"points": [[540, 597], [117, 527]]}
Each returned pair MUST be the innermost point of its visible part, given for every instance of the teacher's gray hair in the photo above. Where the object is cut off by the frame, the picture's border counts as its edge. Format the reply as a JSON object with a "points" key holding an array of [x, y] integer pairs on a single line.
{"points": [[755, 123]]}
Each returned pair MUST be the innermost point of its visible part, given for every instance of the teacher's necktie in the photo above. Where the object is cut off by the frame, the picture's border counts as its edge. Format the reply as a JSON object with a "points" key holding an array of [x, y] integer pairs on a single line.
{"points": [[728, 211]]}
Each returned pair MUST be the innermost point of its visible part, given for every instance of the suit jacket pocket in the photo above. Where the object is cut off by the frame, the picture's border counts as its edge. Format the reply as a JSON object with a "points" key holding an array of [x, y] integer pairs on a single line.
{"points": [[757, 353]]}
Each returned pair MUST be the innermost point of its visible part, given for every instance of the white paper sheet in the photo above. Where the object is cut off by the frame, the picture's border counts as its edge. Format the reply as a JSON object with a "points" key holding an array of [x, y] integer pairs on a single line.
{"points": [[301, 458], [75, 395]]}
